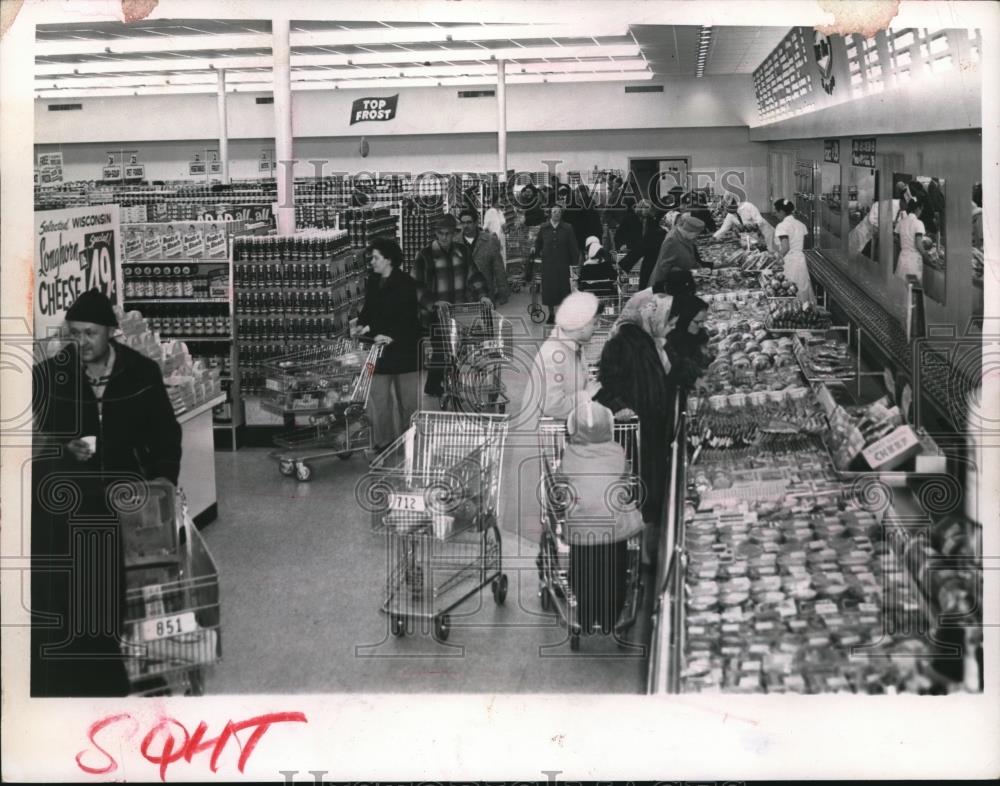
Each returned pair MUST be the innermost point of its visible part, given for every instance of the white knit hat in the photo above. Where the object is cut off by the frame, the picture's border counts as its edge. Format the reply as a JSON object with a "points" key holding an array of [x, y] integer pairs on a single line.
{"points": [[576, 310], [591, 242]]}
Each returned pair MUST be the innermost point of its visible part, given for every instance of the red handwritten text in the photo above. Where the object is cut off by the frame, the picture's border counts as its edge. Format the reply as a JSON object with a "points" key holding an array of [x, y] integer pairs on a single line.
{"points": [[169, 741]]}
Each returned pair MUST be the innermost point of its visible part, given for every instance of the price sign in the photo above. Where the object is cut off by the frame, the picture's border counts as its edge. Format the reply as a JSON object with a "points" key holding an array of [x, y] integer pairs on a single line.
{"points": [[413, 503], [165, 627]]}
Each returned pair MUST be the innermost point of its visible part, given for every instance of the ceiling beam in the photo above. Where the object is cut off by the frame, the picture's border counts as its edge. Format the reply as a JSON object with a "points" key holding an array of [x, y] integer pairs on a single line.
{"points": [[265, 86], [633, 65]]}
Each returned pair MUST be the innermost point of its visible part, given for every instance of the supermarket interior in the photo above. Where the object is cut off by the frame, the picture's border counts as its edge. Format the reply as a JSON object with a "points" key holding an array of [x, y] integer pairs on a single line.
{"points": [[510, 354]]}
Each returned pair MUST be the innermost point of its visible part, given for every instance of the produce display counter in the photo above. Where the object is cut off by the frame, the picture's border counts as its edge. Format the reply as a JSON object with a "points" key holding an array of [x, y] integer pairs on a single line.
{"points": [[871, 306], [784, 568]]}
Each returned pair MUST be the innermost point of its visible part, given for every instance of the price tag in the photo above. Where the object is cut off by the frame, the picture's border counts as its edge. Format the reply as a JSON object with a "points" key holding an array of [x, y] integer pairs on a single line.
{"points": [[164, 627], [408, 502]]}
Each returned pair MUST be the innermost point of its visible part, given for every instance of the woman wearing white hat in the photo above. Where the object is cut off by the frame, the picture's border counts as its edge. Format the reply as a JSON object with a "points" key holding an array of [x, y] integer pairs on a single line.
{"points": [[598, 273], [558, 375]]}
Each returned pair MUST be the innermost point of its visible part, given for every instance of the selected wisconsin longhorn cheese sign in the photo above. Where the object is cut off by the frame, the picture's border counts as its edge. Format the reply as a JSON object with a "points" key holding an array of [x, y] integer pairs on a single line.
{"points": [[374, 109]]}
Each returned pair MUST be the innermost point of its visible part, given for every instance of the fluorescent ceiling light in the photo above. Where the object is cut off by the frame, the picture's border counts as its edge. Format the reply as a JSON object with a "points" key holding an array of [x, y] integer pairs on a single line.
{"points": [[265, 86], [353, 37]]}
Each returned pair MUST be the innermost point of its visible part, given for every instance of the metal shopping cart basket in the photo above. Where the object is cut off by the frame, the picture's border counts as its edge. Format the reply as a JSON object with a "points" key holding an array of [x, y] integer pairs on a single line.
{"points": [[330, 386], [172, 630], [435, 494], [593, 348], [477, 342], [555, 579]]}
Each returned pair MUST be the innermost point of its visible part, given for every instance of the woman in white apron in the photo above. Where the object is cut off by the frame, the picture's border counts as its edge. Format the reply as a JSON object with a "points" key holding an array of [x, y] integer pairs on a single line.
{"points": [[790, 235], [911, 241]]}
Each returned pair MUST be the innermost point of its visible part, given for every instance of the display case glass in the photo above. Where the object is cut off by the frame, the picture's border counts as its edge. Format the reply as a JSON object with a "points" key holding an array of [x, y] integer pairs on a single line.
{"points": [[830, 206]]}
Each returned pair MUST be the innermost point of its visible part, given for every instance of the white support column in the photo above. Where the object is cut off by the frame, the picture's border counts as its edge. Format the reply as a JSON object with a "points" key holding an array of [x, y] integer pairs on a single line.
{"points": [[502, 117], [223, 127], [283, 127]]}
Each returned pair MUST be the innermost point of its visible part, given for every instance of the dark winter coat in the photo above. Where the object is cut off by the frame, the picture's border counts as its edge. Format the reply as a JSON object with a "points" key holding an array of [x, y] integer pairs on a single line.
{"points": [[75, 513], [557, 248], [646, 252], [632, 376], [629, 231], [391, 309]]}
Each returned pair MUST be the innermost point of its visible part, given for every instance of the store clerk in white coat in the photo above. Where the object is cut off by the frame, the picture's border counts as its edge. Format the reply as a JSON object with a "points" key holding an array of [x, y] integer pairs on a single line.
{"points": [[746, 217], [790, 236], [911, 241]]}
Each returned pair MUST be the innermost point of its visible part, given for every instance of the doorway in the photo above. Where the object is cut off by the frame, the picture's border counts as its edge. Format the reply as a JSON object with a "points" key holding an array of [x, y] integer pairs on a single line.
{"points": [[660, 174]]}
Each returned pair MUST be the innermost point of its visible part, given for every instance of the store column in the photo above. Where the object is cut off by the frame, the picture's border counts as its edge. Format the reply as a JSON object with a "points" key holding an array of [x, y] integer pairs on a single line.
{"points": [[283, 127], [502, 117], [223, 127]]}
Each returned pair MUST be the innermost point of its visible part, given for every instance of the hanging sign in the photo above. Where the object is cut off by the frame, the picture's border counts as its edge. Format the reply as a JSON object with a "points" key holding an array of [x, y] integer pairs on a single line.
{"points": [[252, 214], [863, 152], [76, 249], [831, 151], [266, 161], [374, 109], [50, 168], [197, 166]]}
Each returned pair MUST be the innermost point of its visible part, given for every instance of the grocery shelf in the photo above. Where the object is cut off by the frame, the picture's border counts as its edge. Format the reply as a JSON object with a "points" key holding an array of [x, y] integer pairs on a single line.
{"points": [[176, 300], [216, 339]]}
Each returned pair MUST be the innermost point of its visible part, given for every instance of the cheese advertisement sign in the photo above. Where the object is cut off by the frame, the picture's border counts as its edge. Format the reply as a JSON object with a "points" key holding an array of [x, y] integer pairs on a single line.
{"points": [[76, 249]]}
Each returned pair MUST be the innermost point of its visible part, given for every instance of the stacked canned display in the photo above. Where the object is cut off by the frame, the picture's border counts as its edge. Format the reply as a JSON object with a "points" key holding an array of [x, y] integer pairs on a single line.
{"points": [[294, 290], [365, 224], [418, 226]]}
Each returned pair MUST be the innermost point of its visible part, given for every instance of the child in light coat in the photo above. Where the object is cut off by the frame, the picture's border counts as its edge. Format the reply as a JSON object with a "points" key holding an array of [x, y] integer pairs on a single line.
{"points": [[600, 515]]}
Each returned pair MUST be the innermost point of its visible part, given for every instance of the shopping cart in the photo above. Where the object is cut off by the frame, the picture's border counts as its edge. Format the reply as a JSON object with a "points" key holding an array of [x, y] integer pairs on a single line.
{"points": [[555, 580], [477, 341], [172, 630], [592, 350], [535, 308], [330, 386], [435, 494]]}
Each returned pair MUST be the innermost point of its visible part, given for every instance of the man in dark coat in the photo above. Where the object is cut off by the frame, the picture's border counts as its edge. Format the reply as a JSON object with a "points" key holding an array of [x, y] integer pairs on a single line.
{"points": [[103, 425], [556, 245], [485, 255], [679, 249], [628, 235], [648, 249]]}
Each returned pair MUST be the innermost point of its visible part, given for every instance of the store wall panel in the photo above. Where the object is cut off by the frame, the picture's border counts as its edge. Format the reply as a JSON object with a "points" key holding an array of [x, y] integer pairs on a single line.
{"points": [[955, 157], [713, 101], [939, 104], [711, 150]]}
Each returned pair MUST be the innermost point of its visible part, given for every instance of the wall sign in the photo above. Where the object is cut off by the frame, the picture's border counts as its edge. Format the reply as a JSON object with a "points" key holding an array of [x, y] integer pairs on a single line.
{"points": [[831, 151], [50, 169], [381, 109], [76, 249], [863, 152]]}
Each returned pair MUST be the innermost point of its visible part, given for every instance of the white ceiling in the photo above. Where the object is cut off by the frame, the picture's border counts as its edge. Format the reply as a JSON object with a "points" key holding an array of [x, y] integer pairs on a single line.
{"points": [[181, 55]]}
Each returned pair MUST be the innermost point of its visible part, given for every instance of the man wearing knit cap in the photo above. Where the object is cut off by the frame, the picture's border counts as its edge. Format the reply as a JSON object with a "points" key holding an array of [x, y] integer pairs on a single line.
{"points": [[559, 372], [102, 419], [678, 249]]}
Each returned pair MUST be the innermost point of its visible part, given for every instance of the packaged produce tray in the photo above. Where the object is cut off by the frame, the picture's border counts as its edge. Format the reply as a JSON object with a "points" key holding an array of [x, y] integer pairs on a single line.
{"points": [[790, 315], [825, 357]]}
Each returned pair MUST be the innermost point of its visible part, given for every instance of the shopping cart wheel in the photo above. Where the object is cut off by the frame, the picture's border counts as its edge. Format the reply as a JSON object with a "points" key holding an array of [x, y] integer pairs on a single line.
{"points": [[286, 467], [545, 598], [397, 626], [345, 455], [303, 472], [442, 627], [500, 589], [537, 313]]}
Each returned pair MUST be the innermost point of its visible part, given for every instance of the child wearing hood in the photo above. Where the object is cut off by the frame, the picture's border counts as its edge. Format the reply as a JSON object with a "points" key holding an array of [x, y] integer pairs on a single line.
{"points": [[598, 273], [601, 516]]}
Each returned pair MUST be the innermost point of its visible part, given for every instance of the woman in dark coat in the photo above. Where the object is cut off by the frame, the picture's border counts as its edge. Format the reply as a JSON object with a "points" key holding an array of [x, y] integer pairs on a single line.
{"points": [[633, 373], [556, 246], [390, 316], [687, 343], [585, 220]]}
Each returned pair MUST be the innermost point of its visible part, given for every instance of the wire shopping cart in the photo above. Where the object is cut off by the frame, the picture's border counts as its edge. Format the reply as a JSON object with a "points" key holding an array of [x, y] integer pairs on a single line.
{"points": [[477, 341], [535, 308], [435, 494], [329, 385], [593, 348], [556, 581], [172, 616]]}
